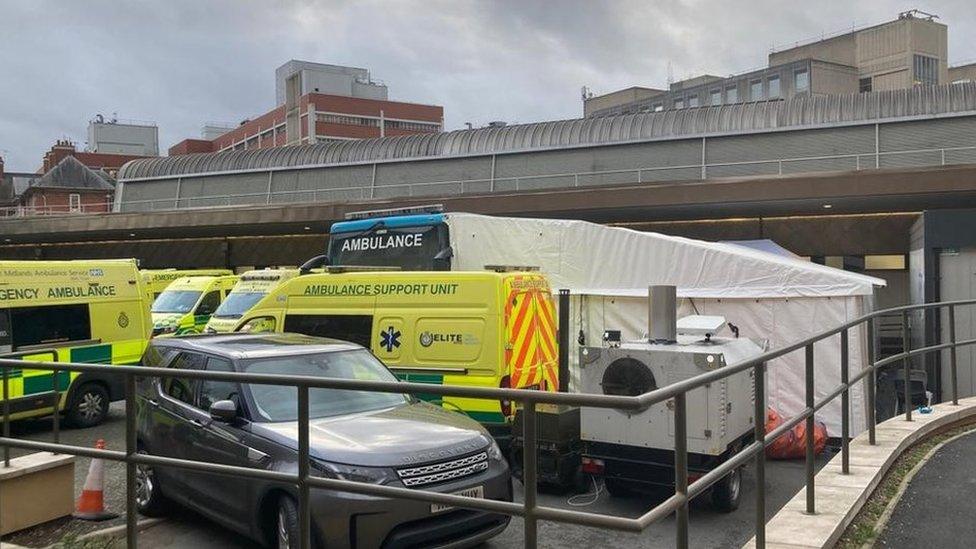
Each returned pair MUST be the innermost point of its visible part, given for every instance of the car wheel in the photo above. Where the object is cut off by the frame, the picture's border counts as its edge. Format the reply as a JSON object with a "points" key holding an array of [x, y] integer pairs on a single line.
{"points": [[727, 492], [90, 406], [287, 529], [150, 501]]}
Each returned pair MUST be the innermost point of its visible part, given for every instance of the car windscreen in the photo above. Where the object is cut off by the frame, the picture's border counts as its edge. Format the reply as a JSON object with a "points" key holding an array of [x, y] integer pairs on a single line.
{"points": [[236, 304], [280, 403], [176, 301], [410, 248]]}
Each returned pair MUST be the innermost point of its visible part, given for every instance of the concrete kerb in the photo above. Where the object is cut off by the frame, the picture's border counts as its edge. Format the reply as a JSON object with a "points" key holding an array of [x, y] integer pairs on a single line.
{"points": [[840, 497], [119, 531]]}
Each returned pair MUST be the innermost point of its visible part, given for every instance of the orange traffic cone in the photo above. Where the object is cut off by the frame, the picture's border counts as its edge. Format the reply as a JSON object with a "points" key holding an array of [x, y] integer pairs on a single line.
{"points": [[91, 503]]}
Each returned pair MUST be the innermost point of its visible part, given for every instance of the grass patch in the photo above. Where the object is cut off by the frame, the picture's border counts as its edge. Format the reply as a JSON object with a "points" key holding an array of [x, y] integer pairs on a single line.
{"points": [[863, 530]]}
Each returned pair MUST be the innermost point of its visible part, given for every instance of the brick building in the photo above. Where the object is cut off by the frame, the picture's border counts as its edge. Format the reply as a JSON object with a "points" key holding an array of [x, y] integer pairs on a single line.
{"points": [[68, 187], [321, 104], [107, 162]]}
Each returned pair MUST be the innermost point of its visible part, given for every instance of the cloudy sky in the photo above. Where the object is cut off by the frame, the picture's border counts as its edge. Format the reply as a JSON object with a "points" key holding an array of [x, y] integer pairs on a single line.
{"points": [[183, 62]]}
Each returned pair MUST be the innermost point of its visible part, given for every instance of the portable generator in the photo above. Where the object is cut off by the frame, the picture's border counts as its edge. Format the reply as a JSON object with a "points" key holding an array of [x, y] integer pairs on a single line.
{"points": [[634, 450]]}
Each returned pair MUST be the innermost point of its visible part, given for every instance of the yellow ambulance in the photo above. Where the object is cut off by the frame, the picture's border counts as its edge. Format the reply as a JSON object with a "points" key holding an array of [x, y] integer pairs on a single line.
{"points": [[251, 288], [186, 304], [70, 311], [489, 329], [156, 280]]}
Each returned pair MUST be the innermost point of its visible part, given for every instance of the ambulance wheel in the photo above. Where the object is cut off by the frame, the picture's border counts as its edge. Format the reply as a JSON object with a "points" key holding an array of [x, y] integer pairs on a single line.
{"points": [[727, 492], [150, 501], [89, 406], [617, 488]]}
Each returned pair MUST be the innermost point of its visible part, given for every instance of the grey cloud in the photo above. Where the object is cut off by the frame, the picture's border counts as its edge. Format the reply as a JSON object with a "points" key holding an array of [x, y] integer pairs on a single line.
{"points": [[184, 62]]}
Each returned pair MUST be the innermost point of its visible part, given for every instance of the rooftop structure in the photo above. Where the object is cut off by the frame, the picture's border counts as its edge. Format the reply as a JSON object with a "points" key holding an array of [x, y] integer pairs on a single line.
{"points": [[908, 51], [319, 103]]}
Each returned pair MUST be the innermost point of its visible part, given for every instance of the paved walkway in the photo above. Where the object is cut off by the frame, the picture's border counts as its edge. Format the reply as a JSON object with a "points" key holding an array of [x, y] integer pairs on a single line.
{"points": [[936, 509]]}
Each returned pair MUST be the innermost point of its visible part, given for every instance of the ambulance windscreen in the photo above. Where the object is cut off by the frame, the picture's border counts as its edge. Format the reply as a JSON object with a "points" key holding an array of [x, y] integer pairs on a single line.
{"points": [[410, 248]]}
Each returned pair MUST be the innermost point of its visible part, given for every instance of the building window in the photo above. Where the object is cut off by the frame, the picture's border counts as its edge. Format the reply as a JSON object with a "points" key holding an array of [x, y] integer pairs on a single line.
{"points": [[679, 103], [657, 107], [926, 70], [773, 83], [801, 81], [731, 94], [74, 202], [693, 101], [412, 125], [755, 90], [716, 97], [864, 85], [347, 120]]}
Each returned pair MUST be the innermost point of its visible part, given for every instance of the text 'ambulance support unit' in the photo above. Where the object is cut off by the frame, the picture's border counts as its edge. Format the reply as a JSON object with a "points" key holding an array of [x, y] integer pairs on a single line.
{"points": [[488, 329], [251, 288], [70, 311], [186, 304], [156, 280]]}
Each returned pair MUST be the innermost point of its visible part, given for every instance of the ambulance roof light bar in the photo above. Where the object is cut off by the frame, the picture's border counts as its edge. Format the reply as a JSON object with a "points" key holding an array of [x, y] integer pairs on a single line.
{"points": [[339, 269], [410, 210], [512, 268]]}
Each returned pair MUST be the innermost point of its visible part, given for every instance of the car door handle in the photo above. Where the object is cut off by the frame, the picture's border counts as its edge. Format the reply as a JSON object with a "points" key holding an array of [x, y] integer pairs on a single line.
{"points": [[153, 402], [196, 423]]}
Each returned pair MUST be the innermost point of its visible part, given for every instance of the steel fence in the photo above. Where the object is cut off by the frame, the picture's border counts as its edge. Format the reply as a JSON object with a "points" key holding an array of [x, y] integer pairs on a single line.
{"points": [[529, 509]]}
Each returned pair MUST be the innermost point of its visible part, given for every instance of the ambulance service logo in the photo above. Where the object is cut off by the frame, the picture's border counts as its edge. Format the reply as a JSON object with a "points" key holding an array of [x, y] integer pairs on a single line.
{"points": [[123, 320], [390, 339]]}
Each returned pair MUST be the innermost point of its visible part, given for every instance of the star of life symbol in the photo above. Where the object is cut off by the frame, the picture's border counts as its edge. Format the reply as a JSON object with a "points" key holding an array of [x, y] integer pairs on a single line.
{"points": [[390, 339]]}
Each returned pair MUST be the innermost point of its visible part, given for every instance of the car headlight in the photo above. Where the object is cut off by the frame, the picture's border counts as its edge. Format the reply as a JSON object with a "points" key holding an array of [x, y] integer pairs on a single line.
{"points": [[494, 452], [356, 473]]}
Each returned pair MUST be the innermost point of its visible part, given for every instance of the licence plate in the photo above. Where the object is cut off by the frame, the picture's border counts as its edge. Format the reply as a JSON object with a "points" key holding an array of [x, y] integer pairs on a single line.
{"points": [[476, 492]]}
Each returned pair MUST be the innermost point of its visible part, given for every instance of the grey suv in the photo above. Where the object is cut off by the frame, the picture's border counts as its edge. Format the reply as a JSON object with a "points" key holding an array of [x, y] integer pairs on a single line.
{"points": [[381, 438]]}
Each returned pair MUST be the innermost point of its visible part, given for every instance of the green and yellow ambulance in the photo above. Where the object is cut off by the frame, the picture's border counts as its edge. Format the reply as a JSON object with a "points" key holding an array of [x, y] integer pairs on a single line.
{"points": [[70, 311], [488, 329], [251, 288], [186, 304], [156, 280]]}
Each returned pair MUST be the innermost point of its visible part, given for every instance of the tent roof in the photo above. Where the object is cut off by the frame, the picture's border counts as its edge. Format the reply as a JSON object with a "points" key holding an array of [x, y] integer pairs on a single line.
{"points": [[596, 259]]}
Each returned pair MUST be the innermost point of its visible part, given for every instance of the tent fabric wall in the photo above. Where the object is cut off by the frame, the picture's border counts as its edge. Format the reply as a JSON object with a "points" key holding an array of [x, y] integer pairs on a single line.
{"points": [[769, 297], [581, 255], [776, 322]]}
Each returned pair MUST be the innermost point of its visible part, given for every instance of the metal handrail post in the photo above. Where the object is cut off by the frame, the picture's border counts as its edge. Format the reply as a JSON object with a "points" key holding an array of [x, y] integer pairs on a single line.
{"points": [[57, 406], [131, 511], [681, 468], [906, 366], [529, 475], [811, 505], [952, 355], [6, 414], [759, 433], [871, 384], [304, 512], [845, 405]]}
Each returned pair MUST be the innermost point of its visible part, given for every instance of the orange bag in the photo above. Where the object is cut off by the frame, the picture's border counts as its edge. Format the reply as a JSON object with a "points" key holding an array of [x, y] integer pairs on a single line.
{"points": [[792, 444]]}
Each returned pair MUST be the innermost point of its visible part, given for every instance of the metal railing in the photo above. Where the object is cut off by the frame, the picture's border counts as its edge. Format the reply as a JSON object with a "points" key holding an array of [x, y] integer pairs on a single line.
{"points": [[651, 174], [57, 209], [529, 509]]}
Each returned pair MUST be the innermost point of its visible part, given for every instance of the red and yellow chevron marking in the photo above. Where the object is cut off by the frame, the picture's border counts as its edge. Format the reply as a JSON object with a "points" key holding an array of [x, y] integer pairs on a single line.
{"points": [[531, 331]]}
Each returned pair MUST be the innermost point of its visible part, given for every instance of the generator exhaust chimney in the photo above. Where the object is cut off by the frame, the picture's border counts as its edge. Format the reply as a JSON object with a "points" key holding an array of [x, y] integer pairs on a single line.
{"points": [[662, 314]]}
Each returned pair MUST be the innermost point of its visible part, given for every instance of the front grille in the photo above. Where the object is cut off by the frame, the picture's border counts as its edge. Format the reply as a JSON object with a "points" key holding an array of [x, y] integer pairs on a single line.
{"points": [[444, 471]]}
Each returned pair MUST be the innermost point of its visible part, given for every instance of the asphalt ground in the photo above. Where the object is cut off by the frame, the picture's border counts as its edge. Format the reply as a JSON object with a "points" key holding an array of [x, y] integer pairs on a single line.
{"points": [[936, 509], [709, 528]]}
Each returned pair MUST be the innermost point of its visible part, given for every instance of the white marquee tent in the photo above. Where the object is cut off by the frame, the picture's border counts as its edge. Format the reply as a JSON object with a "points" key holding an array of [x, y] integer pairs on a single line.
{"points": [[770, 297]]}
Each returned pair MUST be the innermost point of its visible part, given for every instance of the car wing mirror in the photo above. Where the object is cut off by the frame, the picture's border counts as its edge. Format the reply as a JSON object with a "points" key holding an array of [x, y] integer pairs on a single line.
{"points": [[224, 411]]}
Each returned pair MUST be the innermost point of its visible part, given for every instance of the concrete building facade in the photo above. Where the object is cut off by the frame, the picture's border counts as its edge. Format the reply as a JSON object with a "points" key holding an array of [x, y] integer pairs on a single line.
{"points": [[908, 51], [123, 137], [321, 104]]}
